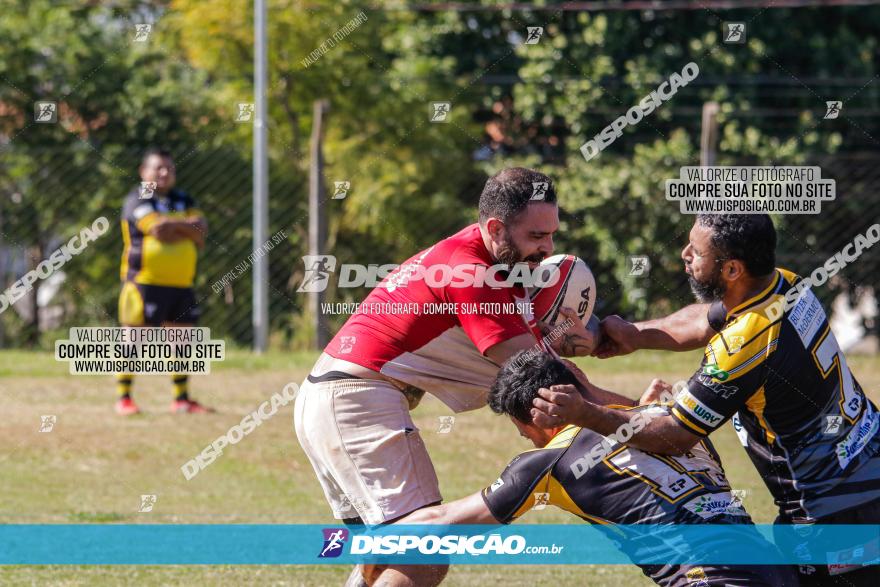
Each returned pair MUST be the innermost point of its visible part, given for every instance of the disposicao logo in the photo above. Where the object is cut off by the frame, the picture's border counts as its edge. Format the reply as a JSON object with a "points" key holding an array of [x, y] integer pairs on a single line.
{"points": [[334, 540]]}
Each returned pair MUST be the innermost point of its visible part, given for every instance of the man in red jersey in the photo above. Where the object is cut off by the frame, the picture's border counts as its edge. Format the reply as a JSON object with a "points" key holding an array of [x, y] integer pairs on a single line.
{"points": [[352, 413]]}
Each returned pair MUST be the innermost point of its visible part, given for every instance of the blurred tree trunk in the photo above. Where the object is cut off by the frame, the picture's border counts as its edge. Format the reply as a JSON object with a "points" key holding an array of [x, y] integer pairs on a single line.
{"points": [[34, 258]]}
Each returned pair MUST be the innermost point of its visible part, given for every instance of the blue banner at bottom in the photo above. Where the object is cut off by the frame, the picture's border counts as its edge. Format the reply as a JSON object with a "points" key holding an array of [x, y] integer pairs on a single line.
{"points": [[166, 544]]}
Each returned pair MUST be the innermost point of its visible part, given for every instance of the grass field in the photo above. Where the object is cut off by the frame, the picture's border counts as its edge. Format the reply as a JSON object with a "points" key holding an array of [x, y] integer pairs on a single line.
{"points": [[93, 466]]}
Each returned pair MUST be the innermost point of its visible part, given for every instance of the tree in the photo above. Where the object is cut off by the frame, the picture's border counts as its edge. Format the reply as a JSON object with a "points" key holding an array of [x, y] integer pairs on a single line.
{"points": [[57, 178]]}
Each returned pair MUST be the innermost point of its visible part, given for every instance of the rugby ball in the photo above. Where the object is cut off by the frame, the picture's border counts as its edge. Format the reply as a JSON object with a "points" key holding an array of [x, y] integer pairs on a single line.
{"points": [[569, 283]]}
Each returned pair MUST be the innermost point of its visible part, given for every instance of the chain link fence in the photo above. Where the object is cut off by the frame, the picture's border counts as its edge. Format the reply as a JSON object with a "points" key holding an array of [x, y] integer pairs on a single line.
{"points": [[48, 195]]}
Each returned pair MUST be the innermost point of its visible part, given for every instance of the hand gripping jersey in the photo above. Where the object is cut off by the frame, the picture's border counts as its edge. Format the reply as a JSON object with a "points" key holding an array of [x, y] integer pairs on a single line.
{"points": [[796, 407], [147, 260], [402, 330]]}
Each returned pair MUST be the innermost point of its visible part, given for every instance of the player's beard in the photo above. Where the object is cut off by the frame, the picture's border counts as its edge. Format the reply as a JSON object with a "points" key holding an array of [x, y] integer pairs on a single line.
{"points": [[709, 290], [509, 254]]}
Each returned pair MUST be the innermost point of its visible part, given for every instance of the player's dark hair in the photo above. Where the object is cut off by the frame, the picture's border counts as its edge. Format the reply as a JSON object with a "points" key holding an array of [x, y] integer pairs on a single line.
{"points": [[509, 191], [519, 380], [750, 238], [160, 151]]}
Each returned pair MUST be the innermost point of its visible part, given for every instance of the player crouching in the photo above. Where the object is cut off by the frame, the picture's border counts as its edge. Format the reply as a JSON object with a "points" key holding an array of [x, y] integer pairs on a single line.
{"points": [[605, 490]]}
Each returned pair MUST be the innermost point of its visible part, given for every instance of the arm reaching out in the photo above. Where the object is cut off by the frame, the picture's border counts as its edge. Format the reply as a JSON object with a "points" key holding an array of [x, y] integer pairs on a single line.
{"points": [[564, 404], [602, 396], [685, 330], [467, 510]]}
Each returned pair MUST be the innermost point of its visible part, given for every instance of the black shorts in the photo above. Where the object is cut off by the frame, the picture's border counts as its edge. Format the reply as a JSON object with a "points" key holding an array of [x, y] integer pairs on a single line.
{"points": [[725, 576], [847, 575], [154, 305]]}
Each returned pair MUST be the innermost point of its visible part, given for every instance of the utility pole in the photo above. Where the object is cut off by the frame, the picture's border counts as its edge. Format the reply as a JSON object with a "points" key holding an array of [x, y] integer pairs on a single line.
{"points": [[261, 182], [317, 219]]}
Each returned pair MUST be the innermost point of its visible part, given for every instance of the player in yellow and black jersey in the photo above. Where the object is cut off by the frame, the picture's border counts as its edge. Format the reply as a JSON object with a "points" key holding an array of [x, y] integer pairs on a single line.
{"points": [[772, 366], [797, 408], [604, 482], [162, 231]]}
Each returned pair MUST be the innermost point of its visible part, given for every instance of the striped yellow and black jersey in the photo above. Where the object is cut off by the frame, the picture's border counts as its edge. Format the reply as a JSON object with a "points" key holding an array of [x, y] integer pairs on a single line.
{"points": [[607, 483], [802, 417], [602, 481], [147, 260]]}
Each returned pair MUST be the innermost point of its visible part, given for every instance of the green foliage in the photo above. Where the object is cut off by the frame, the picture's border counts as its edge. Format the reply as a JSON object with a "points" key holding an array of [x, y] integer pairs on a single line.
{"points": [[590, 68], [412, 181], [114, 98]]}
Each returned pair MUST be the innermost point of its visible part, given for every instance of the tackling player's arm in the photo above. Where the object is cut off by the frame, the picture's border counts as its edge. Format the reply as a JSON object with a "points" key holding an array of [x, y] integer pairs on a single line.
{"points": [[501, 352], [685, 330], [467, 510], [711, 397], [601, 396], [509, 497], [565, 404]]}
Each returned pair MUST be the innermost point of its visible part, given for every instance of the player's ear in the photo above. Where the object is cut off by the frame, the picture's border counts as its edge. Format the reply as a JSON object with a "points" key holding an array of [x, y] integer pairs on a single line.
{"points": [[495, 228], [733, 269]]}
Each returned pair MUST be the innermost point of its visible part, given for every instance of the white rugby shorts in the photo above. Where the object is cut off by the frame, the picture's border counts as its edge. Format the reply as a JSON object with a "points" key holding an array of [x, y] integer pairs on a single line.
{"points": [[365, 449]]}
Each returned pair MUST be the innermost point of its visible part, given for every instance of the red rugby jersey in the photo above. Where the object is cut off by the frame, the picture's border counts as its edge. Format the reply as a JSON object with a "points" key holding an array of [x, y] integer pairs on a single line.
{"points": [[441, 353]]}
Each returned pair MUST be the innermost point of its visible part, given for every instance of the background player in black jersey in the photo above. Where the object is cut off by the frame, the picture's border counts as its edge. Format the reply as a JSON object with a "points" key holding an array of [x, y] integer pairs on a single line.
{"points": [[627, 486], [779, 376], [162, 230]]}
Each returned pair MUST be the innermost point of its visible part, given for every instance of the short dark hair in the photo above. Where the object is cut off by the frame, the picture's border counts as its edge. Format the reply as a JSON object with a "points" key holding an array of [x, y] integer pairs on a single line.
{"points": [[509, 191], [519, 380], [750, 238], [160, 151]]}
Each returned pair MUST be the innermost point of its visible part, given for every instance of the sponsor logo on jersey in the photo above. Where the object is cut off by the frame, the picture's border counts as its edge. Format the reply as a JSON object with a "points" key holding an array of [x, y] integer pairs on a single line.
{"points": [[857, 439], [854, 557], [841, 569], [697, 577], [715, 372], [725, 391], [807, 316], [698, 409], [735, 344], [716, 504]]}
